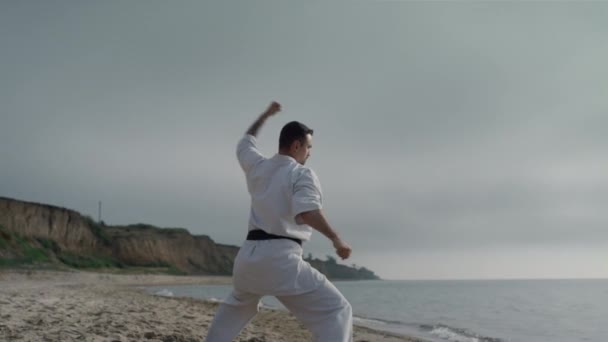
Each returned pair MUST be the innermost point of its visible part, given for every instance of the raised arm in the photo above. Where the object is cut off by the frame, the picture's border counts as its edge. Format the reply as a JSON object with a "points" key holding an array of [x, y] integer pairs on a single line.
{"points": [[317, 220], [274, 108]]}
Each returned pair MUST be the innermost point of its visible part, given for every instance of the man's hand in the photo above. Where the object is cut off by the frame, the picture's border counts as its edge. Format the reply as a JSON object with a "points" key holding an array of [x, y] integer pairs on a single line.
{"points": [[342, 248], [274, 108], [316, 220]]}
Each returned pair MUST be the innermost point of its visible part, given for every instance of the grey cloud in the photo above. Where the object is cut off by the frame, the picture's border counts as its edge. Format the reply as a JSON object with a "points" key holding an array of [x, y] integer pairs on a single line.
{"points": [[438, 126]]}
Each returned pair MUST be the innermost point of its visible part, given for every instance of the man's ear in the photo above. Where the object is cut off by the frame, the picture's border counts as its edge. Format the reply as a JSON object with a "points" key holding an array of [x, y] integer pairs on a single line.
{"points": [[296, 145]]}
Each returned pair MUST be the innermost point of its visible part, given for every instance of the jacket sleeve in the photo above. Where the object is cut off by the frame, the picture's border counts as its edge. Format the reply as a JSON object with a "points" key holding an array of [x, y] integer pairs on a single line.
{"points": [[307, 194], [247, 152]]}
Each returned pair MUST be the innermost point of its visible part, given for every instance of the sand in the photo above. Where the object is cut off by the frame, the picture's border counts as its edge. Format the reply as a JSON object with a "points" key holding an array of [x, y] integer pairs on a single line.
{"points": [[85, 306]]}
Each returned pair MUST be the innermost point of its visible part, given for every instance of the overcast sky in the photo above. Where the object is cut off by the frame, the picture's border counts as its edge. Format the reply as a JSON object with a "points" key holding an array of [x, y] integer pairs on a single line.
{"points": [[452, 139]]}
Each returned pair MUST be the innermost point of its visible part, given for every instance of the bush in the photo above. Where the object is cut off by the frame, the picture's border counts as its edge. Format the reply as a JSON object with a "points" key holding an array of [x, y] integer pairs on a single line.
{"points": [[5, 237], [98, 230], [28, 254], [34, 255], [3, 241], [49, 245], [145, 226], [10, 263], [175, 271], [82, 261]]}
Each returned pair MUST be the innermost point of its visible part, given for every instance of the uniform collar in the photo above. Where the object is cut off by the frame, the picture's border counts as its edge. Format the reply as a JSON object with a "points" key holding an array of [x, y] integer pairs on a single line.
{"points": [[284, 157]]}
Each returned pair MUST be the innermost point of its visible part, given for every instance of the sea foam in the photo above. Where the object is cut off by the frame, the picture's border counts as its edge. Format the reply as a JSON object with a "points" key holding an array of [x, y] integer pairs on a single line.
{"points": [[164, 293], [458, 335]]}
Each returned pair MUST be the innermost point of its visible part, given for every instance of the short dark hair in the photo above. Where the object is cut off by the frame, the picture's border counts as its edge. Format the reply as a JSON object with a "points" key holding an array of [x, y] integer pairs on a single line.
{"points": [[293, 131]]}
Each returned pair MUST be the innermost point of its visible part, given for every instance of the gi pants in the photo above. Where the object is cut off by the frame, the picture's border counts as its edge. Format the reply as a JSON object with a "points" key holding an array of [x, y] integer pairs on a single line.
{"points": [[276, 268]]}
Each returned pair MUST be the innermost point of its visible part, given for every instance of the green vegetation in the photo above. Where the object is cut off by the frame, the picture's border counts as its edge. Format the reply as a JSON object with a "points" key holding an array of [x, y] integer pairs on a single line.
{"points": [[23, 251], [98, 230], [175, 271], [49, 245], [10, 263], [333, 270], [4, 238], [33, 255], [144, 226], [27, 252], [331, 260], [83, 261]]}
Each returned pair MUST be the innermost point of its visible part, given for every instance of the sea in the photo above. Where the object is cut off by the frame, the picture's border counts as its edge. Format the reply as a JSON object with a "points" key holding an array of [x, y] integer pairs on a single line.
{"points": [[465, 310]]}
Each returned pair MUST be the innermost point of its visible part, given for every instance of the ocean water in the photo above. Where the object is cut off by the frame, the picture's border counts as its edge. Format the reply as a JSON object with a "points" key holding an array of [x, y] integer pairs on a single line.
{"points": [[466, 311]]}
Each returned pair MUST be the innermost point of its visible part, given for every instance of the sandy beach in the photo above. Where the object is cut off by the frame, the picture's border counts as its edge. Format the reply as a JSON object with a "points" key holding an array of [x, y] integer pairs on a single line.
{"points": [[84, 306]]}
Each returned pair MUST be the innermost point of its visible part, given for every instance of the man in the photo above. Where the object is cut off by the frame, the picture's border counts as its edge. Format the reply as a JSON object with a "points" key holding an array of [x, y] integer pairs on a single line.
{"points": [[285, 207]]}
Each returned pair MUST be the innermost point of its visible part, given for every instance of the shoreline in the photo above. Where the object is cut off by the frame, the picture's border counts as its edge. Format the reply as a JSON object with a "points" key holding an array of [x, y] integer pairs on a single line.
{"points": [[77, 305]]}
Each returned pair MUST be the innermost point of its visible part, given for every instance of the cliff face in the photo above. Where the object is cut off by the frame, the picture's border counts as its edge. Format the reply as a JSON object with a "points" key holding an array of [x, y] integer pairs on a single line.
{"points": [[80, 242], [39, 233], [143, 245], [71, 231]]}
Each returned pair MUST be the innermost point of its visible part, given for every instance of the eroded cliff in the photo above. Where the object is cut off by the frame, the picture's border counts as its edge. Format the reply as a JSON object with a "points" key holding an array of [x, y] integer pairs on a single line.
{"points": [[145, 245], [70, 230], [37, 233], [63, 235]]}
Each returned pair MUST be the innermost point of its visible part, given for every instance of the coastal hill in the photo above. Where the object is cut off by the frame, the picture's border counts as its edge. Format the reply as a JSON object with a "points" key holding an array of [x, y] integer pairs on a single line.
{"points": [[45, 235]]}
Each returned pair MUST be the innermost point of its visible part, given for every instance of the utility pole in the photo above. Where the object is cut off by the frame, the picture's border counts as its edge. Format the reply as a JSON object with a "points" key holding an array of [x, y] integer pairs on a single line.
{"points": [[99, 213]]}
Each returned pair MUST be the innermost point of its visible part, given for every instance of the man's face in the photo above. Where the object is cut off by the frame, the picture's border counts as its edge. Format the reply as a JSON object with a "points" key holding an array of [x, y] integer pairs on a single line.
{"points": [[302, 150]]}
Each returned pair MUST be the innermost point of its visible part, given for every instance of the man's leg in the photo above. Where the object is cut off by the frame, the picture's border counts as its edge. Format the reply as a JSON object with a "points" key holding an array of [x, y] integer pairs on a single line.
{"points": [[233, 314], [324, 311]]}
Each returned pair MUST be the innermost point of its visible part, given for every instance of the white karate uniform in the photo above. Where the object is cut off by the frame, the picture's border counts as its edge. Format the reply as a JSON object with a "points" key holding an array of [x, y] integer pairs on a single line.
{"points": [[280, 189]]}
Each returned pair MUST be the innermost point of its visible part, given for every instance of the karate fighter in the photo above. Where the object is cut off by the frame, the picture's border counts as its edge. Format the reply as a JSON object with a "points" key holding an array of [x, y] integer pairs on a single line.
{"points": [[285, 207]]}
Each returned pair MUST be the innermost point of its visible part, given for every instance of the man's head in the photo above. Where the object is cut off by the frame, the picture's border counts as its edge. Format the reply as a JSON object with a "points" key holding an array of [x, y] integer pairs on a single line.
{"points": [[296, 141]]}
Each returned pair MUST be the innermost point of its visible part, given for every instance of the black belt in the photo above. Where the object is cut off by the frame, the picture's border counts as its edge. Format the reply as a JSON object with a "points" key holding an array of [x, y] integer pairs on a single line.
{"points": [[258, 234]]}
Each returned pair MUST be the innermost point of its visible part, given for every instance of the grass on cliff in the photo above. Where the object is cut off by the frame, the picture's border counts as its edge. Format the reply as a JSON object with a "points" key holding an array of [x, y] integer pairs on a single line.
{"points": [[4, 237], [98, 230], [22, 251], [88, 261], [149, 227]]}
